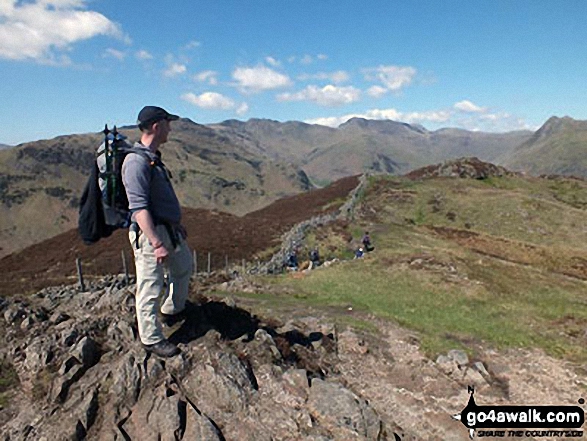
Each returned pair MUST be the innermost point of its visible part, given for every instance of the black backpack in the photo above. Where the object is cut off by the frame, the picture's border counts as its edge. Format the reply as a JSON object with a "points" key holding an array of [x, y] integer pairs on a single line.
{"points": [[104, 205]]}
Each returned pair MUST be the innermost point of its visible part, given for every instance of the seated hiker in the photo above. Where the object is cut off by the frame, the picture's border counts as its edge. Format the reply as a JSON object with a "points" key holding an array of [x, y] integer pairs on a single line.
{"points": [[314, 258], [359, 253], [367, 242], [292, 261]]}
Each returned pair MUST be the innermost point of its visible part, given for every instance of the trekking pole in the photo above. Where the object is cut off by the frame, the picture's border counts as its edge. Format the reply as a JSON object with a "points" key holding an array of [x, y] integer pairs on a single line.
{"points": [[226, 264], [209, 261], [114, 156]]}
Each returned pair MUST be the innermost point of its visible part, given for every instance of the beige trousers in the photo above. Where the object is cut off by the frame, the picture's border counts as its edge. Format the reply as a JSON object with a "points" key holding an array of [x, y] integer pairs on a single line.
{"points": [[151, 280]]}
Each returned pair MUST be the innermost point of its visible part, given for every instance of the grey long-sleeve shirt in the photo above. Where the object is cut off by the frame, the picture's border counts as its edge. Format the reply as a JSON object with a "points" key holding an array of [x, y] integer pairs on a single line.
{"points": [[150, 188]]}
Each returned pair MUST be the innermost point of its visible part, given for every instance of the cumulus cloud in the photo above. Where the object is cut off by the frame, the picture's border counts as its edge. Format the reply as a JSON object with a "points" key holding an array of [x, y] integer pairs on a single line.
{"points": [[468, 107], [437, 116], [272, 61], [42, 30], [143, 55], [257, 79], [192, 44], [114, 53], [215, 101], [377, 91], [489, 122], [338, 77], [174, 70], [393, 78], [322, 57], [307, 59], [207, 76], [328, 96]]}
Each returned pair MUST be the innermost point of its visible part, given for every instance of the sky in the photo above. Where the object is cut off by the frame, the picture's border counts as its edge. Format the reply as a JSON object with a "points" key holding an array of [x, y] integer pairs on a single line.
{"points": [[71, 66]]}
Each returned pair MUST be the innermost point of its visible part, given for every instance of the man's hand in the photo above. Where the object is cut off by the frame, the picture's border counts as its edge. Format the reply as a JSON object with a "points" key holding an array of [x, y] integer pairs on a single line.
{"points": [[161, 253]]}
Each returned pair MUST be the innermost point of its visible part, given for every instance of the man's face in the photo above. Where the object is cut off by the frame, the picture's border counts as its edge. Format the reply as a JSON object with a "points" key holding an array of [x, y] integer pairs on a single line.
{"points": [[162, 130]]}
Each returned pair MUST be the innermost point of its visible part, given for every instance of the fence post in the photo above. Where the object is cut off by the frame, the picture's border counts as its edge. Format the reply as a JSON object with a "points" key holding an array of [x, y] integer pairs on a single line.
{"points": [[195, 264], [209, 261], [80, 276], [124, 265]]}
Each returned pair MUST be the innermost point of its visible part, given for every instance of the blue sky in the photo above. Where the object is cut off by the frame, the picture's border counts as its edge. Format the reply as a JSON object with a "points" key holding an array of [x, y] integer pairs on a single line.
{"points": [[69, 66]]}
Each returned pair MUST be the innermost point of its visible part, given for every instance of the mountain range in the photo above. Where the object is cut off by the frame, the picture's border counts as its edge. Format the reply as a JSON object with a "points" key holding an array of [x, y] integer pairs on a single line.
{"points": [[238, 167]]}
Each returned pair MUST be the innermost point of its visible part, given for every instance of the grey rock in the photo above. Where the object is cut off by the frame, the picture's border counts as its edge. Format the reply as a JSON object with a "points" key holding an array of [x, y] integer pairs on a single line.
{"points": [[87, 352], [458, 356], [27, 323], [58, 317], [344, 414], [14, 313], [480, 367]]}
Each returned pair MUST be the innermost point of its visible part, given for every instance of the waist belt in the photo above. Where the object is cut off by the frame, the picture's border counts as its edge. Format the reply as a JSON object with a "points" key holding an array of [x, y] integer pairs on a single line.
{"points": [[171, 231]]}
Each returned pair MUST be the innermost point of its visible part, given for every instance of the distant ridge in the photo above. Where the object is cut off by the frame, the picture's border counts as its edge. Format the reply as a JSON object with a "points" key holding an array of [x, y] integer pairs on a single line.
{"points": [[558, 147]]}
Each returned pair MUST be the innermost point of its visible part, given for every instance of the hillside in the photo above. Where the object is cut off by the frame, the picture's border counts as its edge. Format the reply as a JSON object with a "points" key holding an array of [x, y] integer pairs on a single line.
{"points": [[558, 147], [52, 261], [477, 279], [208, 172]]}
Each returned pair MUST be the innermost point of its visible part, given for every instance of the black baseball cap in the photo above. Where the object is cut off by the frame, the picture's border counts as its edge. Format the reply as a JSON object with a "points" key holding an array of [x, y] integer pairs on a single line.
{"points": [[152, 114]]}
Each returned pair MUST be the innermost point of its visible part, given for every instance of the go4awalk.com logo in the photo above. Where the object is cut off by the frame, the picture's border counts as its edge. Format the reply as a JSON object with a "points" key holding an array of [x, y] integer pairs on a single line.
{"points": [[522, 421]]}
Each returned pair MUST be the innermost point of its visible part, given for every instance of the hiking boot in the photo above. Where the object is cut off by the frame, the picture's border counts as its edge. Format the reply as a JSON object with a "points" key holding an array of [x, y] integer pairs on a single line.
{"points": [[169, 320], [164, 348]]}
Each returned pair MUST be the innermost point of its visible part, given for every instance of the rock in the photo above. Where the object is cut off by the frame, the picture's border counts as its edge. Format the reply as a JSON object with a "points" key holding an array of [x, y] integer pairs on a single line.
{"points": [[58, 317], [70, 337], [87, 352], [14, 313], [459, 357], [199, 427], [343, 413], [480, 367], [27, 323]]}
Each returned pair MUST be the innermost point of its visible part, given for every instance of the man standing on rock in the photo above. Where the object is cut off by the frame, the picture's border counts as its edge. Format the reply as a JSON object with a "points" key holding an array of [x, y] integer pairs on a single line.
{"points": [[156, 234]]}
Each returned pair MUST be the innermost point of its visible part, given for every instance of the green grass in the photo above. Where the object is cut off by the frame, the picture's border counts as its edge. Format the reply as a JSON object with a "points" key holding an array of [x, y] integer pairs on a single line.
{"points": [[459, 297], [8, 380]]}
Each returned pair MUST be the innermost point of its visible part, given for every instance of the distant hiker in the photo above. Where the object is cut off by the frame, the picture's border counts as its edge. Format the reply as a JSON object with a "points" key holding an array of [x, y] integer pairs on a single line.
{"points": [[359, 253], [367, 242], [156, 234], [292, 261], [314, 258]]}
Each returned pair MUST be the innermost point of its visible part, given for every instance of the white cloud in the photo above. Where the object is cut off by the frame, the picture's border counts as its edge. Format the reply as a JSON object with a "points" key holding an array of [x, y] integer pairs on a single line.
{"points": [[338, 77], [494, 122], [322, 57], [328, 96], [468, 107], [242, 109], [393, 78], [143, 55], [377, 91], [307, 59], [114, 53], [174, 70], [215, 101], [257, 79], [207, 76], [192, 44], [40, 30], [272, 61]]}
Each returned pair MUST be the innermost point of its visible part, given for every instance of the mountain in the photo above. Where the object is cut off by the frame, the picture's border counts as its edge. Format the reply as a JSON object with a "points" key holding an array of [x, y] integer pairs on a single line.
{"points": [[558, 147], [5, 146], [361, 145], [41, 182]]}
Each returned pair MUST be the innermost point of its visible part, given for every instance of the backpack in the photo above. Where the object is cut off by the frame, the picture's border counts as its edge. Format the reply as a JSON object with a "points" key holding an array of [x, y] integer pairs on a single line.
{"points": [[104, 205]]}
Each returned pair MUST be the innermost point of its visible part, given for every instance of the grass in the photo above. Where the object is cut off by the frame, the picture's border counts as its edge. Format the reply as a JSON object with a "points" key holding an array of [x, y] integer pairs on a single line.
{"points": [[501, 286]]}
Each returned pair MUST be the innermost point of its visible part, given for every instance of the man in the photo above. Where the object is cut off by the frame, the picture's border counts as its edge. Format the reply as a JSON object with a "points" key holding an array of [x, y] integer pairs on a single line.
{"points": [[156, 234]]}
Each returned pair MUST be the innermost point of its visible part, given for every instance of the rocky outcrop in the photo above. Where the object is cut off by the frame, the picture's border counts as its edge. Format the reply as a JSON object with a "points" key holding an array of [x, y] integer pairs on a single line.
{"points": [[471, 168], [83, 375]]}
